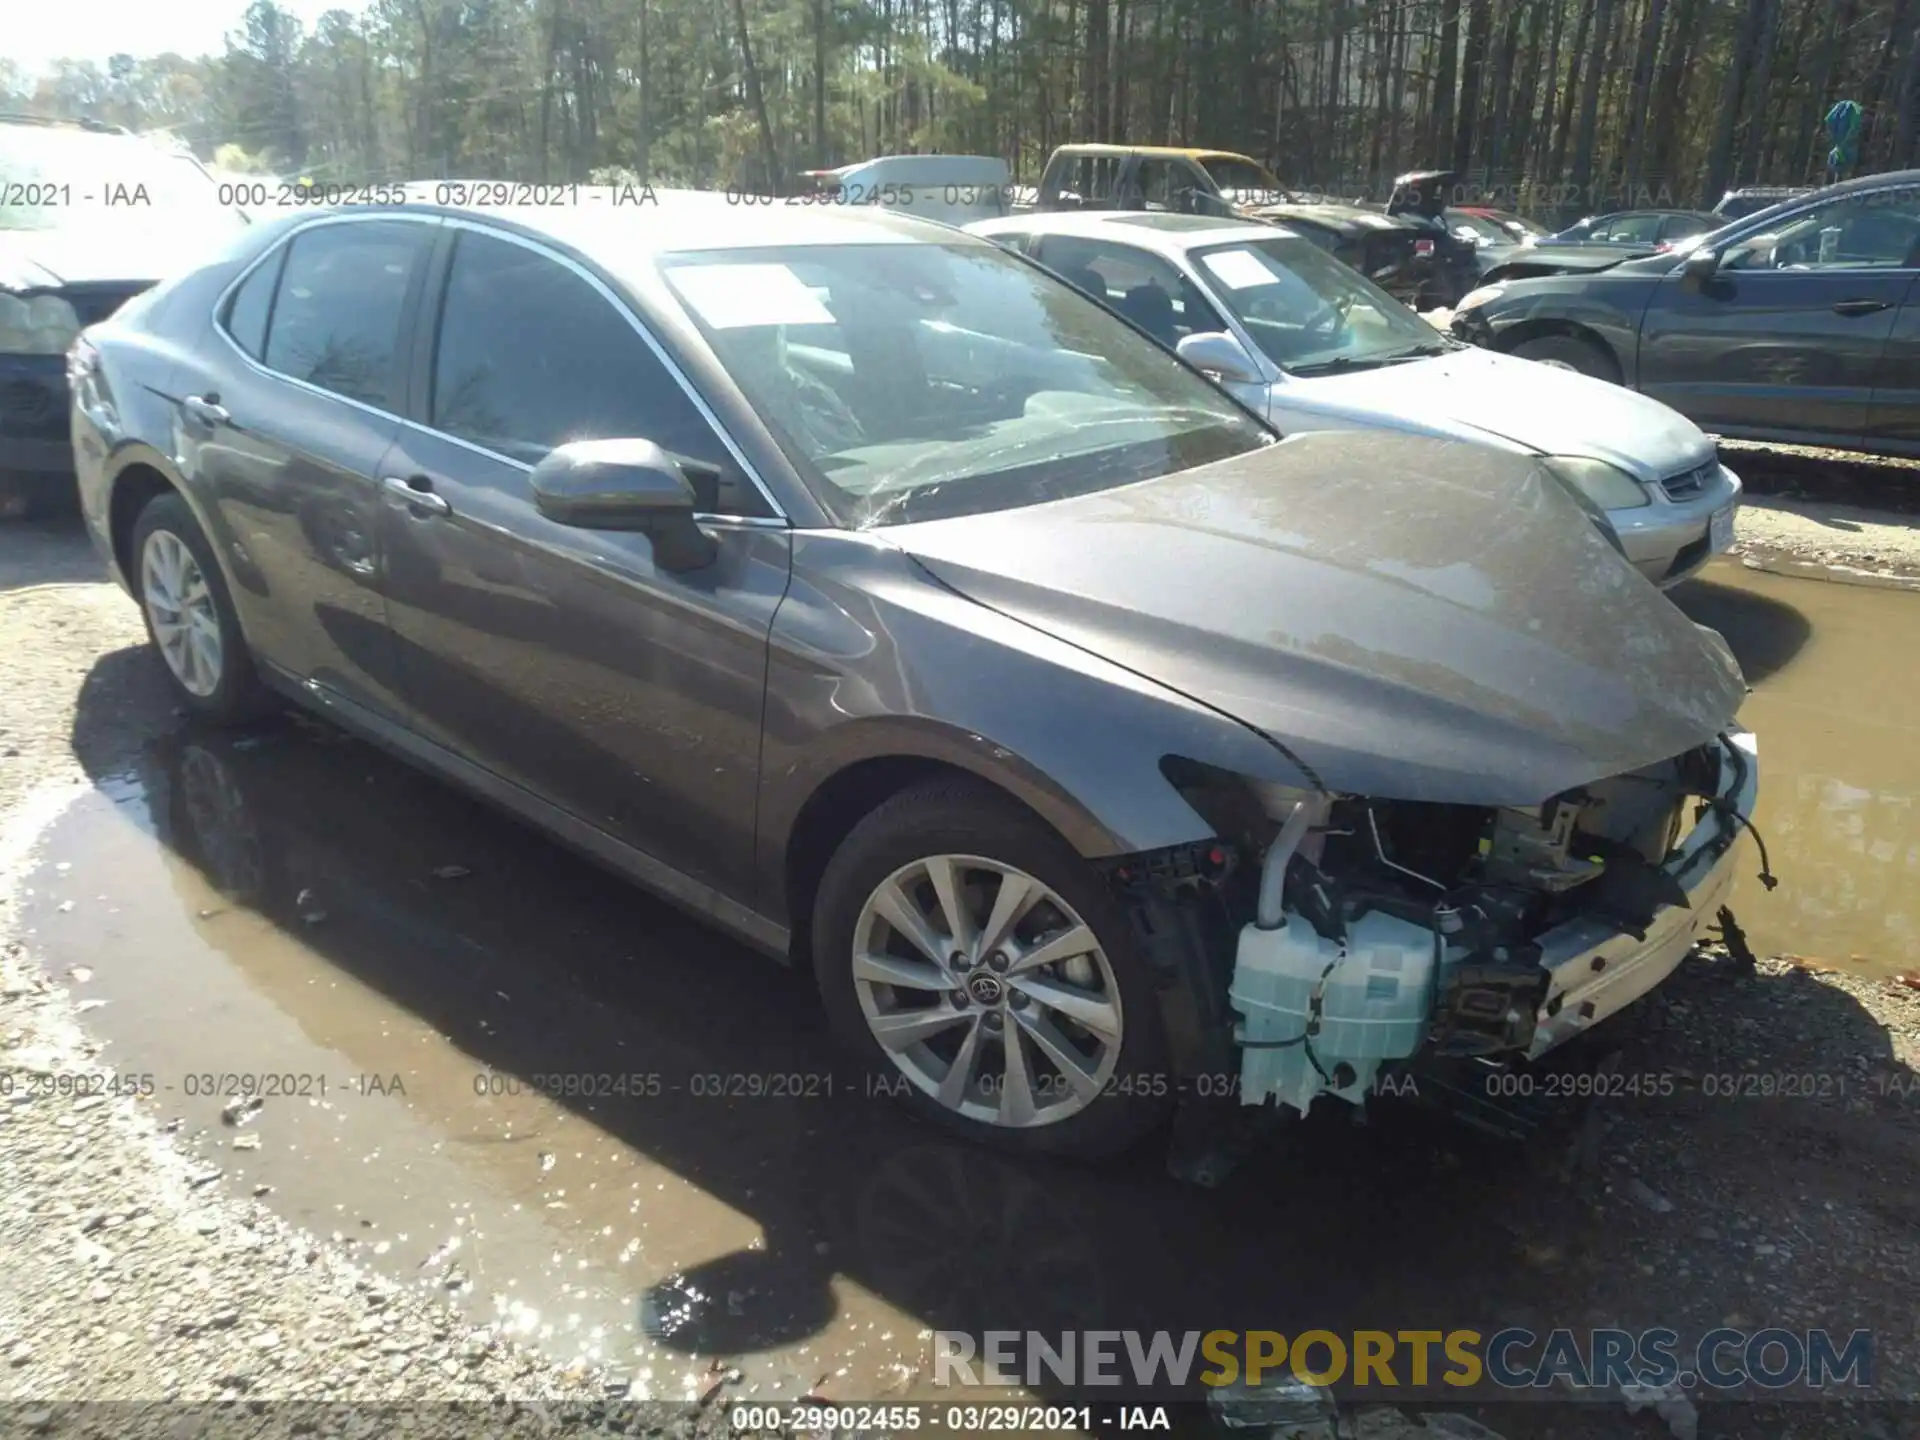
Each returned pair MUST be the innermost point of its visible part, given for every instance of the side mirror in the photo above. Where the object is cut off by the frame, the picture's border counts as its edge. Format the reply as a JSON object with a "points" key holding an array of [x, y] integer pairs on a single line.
{"points": [[630, 485], [1700, 266], [1216, 353]]}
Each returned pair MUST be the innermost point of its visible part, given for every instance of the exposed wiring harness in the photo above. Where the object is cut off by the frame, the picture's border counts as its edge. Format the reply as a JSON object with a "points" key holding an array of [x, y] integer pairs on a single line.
{"points": [[1722, 806], [1725, 808]]}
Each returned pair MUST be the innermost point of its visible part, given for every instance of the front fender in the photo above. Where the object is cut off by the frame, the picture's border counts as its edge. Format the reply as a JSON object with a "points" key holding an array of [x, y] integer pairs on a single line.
{"points": [[873, 658], [1615, 323]]}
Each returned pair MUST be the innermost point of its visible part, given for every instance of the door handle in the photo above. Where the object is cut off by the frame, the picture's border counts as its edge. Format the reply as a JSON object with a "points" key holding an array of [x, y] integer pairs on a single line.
{"points": [[207, 409], [418, 493], [1860, 307]]}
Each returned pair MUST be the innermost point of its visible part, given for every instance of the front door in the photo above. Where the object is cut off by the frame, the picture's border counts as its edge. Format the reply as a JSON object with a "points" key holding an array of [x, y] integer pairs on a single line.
{"points": [[1893, 423], [1787, 338], [564, 660]]}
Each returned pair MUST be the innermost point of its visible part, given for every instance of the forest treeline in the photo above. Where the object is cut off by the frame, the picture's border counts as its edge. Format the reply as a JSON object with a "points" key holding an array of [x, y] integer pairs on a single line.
{"points": [[1548, 105]]}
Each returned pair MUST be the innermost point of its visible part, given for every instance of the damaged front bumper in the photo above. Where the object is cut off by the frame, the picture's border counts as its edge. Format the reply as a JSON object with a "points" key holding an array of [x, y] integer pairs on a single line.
{"points": [[1330, 1015], [1594, 970]]}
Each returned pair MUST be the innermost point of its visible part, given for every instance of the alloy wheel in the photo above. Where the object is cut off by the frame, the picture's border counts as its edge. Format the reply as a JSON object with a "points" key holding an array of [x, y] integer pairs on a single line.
{"points": [[987, 991], [180, 607]]}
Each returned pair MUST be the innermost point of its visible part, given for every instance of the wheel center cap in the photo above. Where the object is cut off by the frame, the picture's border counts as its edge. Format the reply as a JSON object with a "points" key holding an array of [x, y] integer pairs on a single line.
{"points": [[986, 989]]}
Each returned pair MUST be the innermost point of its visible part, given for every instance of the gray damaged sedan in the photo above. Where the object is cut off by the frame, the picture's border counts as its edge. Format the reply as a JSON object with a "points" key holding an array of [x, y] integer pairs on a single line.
{"points": [[876, 595]]}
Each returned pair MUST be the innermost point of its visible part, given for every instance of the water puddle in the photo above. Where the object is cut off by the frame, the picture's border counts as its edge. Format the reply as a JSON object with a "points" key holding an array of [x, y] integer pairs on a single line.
{"points": [[1836, 705], [492, 1069]]}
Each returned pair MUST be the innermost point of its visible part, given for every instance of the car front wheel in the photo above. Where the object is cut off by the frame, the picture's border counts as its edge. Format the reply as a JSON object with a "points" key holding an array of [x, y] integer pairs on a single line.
{"points": [[989, 977], [190, 616], [1570, 352]]}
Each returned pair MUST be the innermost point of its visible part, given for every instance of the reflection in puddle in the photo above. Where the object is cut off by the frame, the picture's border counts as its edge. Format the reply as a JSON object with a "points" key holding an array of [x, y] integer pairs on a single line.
{"points": [[494, 1070], [1836, 705]]}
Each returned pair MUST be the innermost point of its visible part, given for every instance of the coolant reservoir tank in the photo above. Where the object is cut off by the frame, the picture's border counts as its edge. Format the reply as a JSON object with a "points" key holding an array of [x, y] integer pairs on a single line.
{"points": [[1375, 988]]}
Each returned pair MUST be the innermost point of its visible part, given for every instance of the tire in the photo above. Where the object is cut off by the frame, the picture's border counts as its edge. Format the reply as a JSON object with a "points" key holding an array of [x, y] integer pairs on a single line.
{"points": [[1120, 1089], [1570, 352], [216, 683]]}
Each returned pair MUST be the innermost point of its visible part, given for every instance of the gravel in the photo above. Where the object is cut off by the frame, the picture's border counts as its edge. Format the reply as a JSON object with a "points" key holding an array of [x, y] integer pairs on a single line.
{"points": [[1793, 535], [125, 1277]]}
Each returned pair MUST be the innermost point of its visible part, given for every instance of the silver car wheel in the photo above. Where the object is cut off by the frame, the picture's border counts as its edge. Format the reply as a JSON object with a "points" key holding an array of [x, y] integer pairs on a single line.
{"points": [[1558, 365], [180, 607], [987, 991]]}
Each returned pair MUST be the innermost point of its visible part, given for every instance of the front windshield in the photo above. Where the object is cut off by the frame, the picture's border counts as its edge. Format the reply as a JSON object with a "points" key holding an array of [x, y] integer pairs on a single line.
{"points": [[909, 381], [1307, 310], [52, 177]]}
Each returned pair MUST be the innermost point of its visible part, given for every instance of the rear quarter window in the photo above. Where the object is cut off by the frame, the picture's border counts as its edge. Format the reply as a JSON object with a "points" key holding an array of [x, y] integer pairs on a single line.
{"points": [[245, 319]]}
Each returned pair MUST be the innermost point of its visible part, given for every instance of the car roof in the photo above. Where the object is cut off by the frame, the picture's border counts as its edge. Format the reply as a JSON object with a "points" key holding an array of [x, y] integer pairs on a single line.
{"points": [[1150, 230], [1844, 187], [1184, 151], [1652, 210], [1339, 212], [957, 167], [614, 223]]}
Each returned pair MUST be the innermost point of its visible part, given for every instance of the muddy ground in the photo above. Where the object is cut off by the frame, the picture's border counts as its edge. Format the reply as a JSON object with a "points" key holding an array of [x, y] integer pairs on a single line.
{"points": [[184, 905]]}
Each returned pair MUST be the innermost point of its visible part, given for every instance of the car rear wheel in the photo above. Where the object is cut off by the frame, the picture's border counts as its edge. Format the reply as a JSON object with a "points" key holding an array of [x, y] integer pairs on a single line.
{"points": [[989, 977], [190, 616], [1570, 352]]}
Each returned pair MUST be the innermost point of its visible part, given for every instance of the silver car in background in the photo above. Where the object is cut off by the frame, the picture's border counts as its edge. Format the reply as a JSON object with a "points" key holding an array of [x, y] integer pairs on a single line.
{"points": [[1312, 344]]}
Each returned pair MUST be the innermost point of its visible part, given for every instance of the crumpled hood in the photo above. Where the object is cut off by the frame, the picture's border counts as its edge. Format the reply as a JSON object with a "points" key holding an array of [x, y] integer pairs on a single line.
{"points": [[115, 252], [1410, 619], [1549, 411]]}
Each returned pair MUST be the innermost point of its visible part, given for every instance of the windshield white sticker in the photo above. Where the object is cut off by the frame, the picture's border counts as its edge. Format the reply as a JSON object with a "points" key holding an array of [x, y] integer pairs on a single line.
{"points": [[1238, 269], [730, 297]]}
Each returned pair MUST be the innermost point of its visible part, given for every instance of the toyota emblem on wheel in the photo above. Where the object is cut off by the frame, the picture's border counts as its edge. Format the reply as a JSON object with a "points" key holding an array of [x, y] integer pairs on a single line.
{"points": [[985, 989]]}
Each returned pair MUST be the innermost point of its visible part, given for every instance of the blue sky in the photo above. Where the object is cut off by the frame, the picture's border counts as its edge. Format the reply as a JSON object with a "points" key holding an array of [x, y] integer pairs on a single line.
{"points": [[40, 31]]}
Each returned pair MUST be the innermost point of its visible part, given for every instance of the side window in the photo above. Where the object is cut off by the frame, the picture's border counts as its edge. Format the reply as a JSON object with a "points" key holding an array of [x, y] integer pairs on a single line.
{"points": [[530, 356], [1088, 180], [1168, 185], [1193, 191], [1880, 230], [1142, 287], [336, 314], [1153, 185], [1630, 229], [252, 303]]}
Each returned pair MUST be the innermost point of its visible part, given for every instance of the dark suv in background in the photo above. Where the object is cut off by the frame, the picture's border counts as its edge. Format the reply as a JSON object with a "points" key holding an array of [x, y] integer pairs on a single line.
{"points": [[91, 216], [1798, 325]]}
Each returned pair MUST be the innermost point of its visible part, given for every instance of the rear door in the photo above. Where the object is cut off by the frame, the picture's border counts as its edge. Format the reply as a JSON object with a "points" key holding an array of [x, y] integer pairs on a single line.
{"points": [[1788, 338], [288, 412], [560, 659]]}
